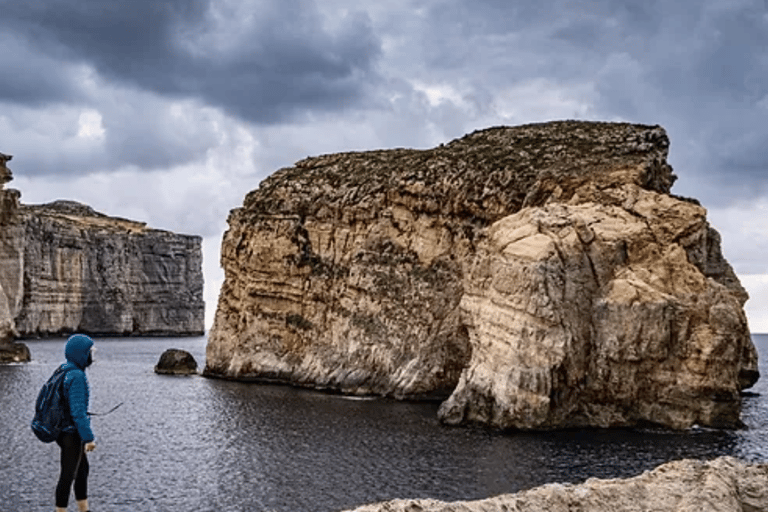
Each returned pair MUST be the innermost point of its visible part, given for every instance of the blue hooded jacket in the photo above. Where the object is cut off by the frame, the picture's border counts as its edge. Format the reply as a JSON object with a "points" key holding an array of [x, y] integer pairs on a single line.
{"points": [[77, 352]]}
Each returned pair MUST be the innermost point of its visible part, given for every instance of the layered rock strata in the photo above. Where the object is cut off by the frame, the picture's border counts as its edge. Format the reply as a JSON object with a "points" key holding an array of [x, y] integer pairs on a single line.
{"points": [[88, 272], [596, 314], [67, 268], [538, 276], [11, 254], [722, 485]]}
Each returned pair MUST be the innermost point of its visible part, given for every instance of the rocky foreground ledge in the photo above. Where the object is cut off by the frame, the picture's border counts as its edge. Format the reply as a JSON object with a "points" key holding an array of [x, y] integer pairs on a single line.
{"points": [[535, 277], [722, 485]]}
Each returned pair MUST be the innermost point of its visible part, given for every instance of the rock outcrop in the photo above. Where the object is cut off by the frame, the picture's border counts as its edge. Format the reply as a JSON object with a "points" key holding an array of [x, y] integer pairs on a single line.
{"points": [[539, 276], [66, 268], [11, 254], [722, 485], [14, 352], [175, 361], [596, 314]]}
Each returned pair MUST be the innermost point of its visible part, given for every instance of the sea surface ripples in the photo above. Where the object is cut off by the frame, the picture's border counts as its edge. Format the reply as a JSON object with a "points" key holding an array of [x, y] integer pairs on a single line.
{"points": [[190, 443]]}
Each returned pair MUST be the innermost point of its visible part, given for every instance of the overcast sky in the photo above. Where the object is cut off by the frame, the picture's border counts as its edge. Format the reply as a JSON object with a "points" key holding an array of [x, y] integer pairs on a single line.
{"points": [[169, 112]]}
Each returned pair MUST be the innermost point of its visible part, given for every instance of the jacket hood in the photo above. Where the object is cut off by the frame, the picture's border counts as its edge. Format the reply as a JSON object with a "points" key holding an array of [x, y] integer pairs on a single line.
{"points": [[77, 349]]}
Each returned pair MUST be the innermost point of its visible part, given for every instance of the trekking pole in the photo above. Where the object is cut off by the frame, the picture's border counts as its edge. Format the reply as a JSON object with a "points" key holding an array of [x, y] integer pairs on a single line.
{"points": [[105, 413]]}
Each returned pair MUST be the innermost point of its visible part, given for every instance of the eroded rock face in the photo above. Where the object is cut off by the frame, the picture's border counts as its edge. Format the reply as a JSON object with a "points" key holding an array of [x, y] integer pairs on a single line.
{"points": [[722, 485], [11, 255], [523, 271], [65, 268], [87, 272], [595, 315]]}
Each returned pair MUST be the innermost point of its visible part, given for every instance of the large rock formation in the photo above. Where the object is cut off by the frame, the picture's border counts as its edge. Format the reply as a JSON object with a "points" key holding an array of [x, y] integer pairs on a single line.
{"points": [[542, 276], [67, 268], [596, 314], [722, 485]]}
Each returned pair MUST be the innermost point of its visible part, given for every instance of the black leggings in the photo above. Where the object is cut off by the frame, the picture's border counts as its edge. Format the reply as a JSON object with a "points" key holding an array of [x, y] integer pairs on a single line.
{"points": [[74, 466]]}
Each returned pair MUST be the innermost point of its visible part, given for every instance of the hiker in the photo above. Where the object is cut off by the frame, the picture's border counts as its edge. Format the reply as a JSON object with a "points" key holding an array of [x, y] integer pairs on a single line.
{"points": [[76, 439]]}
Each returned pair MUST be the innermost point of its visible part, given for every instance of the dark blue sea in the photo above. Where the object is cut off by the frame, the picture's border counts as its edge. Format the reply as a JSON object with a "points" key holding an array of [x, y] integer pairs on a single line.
{"points": [[194, 444]]}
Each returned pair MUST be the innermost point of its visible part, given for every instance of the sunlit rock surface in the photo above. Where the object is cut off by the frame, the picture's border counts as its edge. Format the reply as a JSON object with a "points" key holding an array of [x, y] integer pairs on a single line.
{"points": [[536, 276], [595, 314]]}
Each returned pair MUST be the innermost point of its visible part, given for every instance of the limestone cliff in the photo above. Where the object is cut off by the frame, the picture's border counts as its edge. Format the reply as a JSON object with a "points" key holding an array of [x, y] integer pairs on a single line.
{"points": [[595, 314], [721, 485], [539, 276], [67, 268], [11, 249]]}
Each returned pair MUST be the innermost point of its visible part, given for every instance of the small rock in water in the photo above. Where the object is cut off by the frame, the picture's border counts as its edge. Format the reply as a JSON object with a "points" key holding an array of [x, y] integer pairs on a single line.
{"points": [[176, 362], [14, 353]]}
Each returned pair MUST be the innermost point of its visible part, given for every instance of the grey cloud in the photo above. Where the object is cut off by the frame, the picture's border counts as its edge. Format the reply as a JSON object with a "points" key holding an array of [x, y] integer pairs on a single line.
{"points": [[128, 40], [284, 62], [140, 131], [153, 138], [698, 68], [29, 78], [265, 61], [733, 60]]}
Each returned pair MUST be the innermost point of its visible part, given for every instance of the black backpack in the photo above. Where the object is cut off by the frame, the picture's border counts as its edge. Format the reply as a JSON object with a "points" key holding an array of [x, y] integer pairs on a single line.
{"points": [[51, 408]]}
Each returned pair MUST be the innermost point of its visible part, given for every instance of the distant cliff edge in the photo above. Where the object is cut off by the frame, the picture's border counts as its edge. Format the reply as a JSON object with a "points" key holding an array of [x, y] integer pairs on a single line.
{"points": [[66, 268], [532, 277]]}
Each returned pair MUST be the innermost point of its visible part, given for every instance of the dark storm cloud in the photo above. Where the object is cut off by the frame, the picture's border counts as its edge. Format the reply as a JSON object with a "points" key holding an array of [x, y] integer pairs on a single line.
{"points": [[262, 61], [699, 68], [29, 78], [704, 76], [539, 36]]}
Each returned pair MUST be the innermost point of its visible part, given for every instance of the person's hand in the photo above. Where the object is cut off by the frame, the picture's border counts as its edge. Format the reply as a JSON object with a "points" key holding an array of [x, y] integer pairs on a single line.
{"points": [[89, 447]]}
